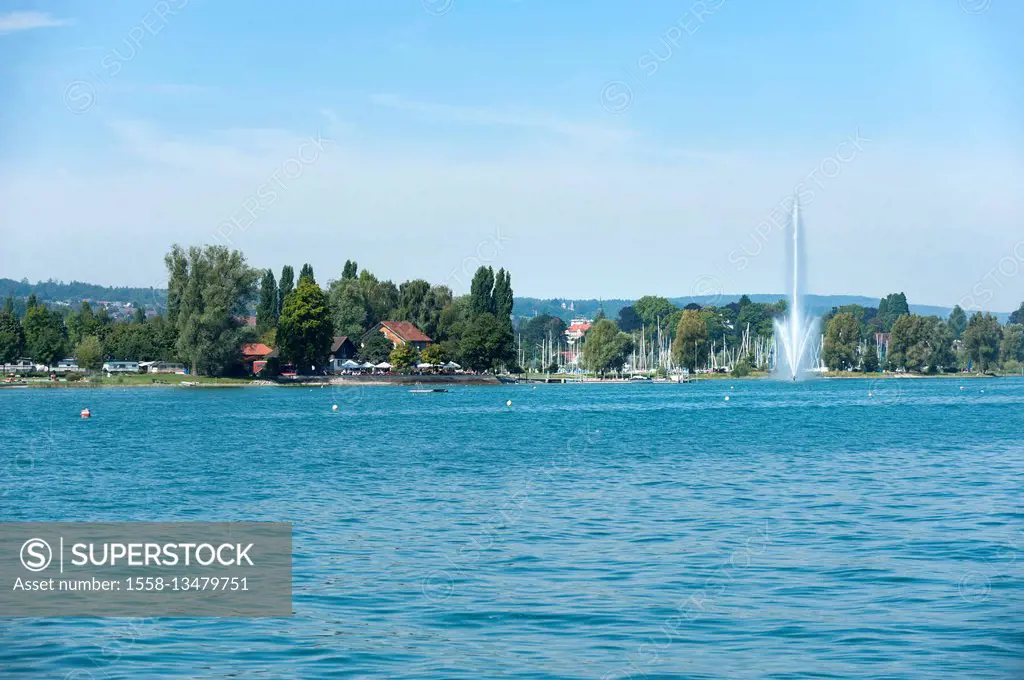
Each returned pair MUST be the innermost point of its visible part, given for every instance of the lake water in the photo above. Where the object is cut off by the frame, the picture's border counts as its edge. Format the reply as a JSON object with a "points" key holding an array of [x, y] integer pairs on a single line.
{"points": [[589, 531]]}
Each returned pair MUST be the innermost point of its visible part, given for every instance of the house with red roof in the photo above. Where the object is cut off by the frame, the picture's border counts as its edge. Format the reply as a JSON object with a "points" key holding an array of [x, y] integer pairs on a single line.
{"points": [[402, 333], [254, 356]]}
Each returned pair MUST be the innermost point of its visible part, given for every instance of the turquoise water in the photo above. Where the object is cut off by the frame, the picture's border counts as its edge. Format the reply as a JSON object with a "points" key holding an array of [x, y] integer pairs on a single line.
{"points": [[589, 531]]}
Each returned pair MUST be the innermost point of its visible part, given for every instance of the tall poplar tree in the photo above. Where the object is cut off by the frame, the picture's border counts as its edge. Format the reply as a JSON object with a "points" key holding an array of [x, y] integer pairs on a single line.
{"points": [[266, 310], [285, 286]]}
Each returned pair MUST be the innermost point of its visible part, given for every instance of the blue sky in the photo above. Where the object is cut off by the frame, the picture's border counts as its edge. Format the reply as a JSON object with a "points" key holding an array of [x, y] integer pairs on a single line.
{"points": [[597, 149]]}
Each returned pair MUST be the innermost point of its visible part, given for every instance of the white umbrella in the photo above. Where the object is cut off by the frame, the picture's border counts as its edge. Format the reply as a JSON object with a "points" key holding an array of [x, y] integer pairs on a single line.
{"points": [[350, 364], [424, 365], [383, 364], [368, 364], [452, 364]]}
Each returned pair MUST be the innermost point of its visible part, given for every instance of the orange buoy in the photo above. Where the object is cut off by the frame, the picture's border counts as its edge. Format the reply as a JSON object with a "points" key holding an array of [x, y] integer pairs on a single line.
{"points": [[86, 413]]}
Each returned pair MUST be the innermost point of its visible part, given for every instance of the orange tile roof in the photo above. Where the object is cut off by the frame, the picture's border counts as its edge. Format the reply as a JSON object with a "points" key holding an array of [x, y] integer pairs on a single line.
{"points": [[255, 349], [406, 330]]}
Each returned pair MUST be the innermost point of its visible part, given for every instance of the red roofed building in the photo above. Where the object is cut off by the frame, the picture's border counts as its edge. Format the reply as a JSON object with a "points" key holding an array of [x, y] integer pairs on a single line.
{"points": [[402, 333], [577, 329], [255, 350], [254, 355], [573, 334]]}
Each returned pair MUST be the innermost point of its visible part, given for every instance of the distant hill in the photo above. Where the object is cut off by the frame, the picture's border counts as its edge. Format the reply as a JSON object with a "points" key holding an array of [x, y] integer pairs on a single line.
{"points": [[75, 292], [817, 304]]}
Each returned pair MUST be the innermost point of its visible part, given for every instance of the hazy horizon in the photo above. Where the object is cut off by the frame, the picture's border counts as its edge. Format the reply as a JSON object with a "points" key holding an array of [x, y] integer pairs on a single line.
{"points": [[520, 295]]}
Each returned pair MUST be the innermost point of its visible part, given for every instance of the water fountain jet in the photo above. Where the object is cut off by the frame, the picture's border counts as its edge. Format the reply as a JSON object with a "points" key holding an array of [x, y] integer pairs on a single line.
{"points": [[795, 335]]}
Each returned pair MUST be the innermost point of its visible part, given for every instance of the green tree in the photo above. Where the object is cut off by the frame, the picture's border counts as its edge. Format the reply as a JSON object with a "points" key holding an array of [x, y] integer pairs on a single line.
{"points": [[164, 338], [304, 331], [285, 285], [981, 339], [177, 278], [907, 347], [481, 292], [403, 356], [957, 321], [266, 309], [12, 338], [690, 344], [131, 342], [45, 335], [376, 348], [218, 289], [435, 354], [629, 320], [651, 309], [890, 308], [1012, 347], [451, 322], [869, 358], [348, 307], [483, 343], [412, 295], [350, 271], [307, 273], [941, 356], [437, 300], [842, 337], [503, 297], [605, 347], [382, 298], [918, 343], [82, 323], [503, 302], [89, 353], [1018, 316]]}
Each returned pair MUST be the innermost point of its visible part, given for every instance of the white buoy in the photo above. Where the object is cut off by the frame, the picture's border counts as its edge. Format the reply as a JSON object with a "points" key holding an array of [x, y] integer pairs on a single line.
{"points": [[334, 408], [508, 403], [727, 397], [871, 394], [961, 388]]}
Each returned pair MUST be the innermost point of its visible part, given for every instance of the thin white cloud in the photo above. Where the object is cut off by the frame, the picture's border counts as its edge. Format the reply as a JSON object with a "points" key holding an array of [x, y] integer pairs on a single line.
{"points": [[12, 22], [587, 132]]}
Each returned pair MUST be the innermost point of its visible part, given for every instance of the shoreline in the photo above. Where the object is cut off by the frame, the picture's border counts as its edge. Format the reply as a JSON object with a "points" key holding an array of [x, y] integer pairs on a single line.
{"points": [[192, 382], [446, 380]]}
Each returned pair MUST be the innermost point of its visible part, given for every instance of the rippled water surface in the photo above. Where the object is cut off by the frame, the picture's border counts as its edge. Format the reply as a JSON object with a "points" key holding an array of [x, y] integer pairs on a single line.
{"points": [[589, 531]]}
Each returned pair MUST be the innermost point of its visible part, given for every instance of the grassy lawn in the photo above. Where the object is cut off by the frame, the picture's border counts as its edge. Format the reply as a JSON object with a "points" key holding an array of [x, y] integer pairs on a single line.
{"points": [[137, 380]]}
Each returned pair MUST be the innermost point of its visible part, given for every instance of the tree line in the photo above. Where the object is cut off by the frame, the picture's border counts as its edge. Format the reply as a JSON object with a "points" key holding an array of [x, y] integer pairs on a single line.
{"points": [[474, 330], [212, 291], [694, 333], [921, 344]]}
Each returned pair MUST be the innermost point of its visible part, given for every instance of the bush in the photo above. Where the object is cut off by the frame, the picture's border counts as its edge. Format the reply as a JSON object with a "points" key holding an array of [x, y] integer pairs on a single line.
{"points": [[74, 377], [741, 369]]}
